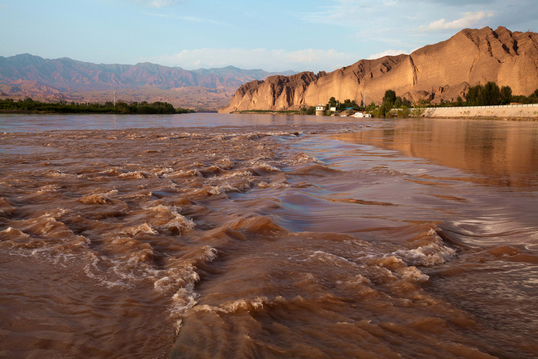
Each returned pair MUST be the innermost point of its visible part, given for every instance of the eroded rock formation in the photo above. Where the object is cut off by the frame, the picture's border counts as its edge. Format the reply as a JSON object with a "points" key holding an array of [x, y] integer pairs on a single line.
{"points": [[437, 72]]}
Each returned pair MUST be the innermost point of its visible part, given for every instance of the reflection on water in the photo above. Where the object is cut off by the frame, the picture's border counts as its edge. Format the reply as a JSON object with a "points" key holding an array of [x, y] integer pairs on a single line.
{"points": [[36, 123], [267, 240], [504, 153]]}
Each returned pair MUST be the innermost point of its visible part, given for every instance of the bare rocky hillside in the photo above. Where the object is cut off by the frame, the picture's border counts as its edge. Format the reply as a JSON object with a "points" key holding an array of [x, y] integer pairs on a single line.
{"points": [[437, 72]]}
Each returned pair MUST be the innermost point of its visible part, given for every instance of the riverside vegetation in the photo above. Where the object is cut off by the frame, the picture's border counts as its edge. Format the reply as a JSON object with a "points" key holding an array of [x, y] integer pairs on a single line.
{"points": [[395, 106], [29, 105], [480, 95]]}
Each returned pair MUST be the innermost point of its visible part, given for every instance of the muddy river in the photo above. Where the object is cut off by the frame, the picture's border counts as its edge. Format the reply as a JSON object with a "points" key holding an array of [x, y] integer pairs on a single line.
{"points": [[244, 236]]}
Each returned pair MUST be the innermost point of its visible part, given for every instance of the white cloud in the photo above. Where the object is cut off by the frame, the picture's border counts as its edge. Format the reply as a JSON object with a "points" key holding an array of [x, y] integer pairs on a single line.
{"points": [[386, 53], [157, 3], [270, 60], [161, 3], [345, 12], [191, 19], [468, 20]]}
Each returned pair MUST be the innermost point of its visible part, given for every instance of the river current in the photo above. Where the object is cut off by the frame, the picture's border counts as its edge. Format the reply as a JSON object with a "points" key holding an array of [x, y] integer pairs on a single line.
{"points": [[257, 236]]}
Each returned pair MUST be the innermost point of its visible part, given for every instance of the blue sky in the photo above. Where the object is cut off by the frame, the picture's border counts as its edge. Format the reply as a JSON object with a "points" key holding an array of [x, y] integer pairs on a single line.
{"points": [[275, 35]]}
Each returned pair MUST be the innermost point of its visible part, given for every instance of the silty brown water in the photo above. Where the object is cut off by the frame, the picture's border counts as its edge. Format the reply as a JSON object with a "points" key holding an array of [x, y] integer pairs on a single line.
{"points": [[373, 239]]}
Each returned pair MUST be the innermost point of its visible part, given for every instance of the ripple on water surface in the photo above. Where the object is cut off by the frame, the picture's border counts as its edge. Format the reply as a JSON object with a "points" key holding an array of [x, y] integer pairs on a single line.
{"points": [[257, 242]]}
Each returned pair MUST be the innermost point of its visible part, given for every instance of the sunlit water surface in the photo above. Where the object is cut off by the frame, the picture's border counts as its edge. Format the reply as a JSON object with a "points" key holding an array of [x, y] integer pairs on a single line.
{"points": [[210, 235]]}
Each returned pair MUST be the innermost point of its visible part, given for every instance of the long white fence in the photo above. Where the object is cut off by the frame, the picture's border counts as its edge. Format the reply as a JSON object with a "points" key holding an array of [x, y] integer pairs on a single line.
{"points": [[508, 111], [499, 106]]}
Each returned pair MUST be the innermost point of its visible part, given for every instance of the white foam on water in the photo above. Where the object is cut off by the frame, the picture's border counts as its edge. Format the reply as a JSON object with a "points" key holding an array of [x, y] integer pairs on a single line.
{"points": [[234, 174], [56, 173], [48, 188], [140, 229], [234, 306], [134, 175], [98, 198], [261, 165], [11, 234], [303, 158], [412, 274], [162, 171], [176, 223], [433, 253], [184, 173]]}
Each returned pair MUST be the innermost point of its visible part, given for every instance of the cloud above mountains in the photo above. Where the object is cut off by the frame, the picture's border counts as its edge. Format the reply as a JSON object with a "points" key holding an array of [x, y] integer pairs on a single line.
{"points": [[470, 19], [269, 60], [386, 53], [294, 35], [157, 3]]}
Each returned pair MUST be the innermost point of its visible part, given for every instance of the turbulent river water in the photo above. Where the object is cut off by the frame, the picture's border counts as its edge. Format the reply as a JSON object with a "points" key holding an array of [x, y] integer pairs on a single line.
{"points": [[222, 236]]}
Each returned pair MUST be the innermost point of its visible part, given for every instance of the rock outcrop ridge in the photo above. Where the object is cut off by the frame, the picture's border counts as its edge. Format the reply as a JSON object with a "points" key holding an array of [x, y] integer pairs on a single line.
{"points": [[437, 72]]}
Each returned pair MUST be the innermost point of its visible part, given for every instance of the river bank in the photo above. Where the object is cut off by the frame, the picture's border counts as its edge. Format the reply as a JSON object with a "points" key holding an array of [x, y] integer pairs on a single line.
{"points": [[521, 112]]}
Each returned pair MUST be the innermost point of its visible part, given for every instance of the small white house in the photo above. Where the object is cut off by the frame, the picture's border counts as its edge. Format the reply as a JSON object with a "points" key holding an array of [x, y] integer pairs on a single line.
{"points": [[320, 110]]}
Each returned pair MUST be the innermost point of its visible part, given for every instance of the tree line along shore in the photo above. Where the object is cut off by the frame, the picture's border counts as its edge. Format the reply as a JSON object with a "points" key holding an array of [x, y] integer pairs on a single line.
{"points": [[30, 106], [392, 105]]}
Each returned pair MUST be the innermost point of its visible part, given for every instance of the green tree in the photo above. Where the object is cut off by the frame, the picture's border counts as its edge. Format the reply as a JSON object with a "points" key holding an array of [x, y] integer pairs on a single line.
{"points": [[385, 110], [534, 94], [473, 94], [346, 104], [332, 102], [390, 97], [459, 101], [403, 112], [370, 107], [491, 95], [122, 107], [506, 95]]}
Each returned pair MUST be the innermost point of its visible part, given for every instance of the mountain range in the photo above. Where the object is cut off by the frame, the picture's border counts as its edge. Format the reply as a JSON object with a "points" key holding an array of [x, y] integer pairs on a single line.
{"points": [[436, 73], [25, 75]]}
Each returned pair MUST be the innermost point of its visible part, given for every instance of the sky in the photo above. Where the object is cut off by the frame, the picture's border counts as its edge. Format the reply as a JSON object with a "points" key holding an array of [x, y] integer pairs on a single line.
{"points": [[275, 35]]}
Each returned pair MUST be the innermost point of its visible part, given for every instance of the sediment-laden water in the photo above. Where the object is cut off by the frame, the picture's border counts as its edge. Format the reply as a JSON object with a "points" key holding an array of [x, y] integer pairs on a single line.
{"points": [[286, 237]]}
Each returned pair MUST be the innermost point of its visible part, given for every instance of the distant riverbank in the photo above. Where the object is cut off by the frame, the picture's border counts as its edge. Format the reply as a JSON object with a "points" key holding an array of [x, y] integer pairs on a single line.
{"points": [[513, 112], [29, 106], [267, 112], [509, 112]]}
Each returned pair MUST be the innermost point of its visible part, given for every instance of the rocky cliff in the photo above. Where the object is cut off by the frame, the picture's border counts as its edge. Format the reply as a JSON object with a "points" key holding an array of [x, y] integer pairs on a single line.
{"points": [[437, 72]]}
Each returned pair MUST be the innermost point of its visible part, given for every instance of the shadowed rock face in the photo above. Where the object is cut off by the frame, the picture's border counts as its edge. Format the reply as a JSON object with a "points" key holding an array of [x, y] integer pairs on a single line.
{"points": [[437, 72]]}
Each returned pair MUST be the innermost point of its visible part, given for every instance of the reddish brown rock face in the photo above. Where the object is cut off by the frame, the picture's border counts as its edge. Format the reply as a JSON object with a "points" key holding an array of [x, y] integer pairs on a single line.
{"points": [[437, 72]]}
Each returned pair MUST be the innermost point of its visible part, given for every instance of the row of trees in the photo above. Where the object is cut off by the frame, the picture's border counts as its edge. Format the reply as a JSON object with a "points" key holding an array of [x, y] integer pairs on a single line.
{"points": [[491, 95], [308, 111], [347, 104], [341, 106], [480, 95], [146, 108], [487, 95], [63, 107]]}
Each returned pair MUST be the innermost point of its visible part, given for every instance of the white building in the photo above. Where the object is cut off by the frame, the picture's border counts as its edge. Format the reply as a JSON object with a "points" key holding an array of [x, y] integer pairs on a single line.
{"points": [[320, 110]]}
